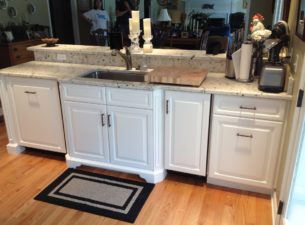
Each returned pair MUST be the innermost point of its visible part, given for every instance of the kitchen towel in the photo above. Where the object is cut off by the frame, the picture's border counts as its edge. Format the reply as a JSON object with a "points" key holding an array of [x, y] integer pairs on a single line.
{"points": [[245, 61], [236, 63]]}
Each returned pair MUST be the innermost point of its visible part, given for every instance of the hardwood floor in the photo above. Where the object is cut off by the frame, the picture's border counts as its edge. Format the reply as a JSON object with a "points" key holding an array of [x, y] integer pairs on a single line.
{"points": [[179, 200]]}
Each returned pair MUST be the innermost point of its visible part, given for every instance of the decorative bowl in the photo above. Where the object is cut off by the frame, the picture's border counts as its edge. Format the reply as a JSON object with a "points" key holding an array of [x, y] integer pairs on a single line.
{"points": [[50, 42]]}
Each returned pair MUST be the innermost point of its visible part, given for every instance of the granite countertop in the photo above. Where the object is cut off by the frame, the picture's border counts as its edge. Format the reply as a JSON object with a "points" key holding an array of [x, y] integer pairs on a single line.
{"points": [[62, 48], [215, 83]]}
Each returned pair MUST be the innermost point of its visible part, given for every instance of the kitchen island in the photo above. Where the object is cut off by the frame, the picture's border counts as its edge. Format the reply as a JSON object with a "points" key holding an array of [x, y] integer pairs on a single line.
{"points": [[147, 128]]}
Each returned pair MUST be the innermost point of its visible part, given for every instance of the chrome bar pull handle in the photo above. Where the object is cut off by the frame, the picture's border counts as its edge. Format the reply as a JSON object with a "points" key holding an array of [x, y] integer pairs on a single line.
{"points": [[166, 110], [108, 118], [243, 135], [248, 108], [30, 92], [103, 121]]}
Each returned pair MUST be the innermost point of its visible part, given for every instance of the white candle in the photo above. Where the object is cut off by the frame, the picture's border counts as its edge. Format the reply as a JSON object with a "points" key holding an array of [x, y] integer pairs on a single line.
{"points": [[147, 28], [135, 15], [130, 25]]}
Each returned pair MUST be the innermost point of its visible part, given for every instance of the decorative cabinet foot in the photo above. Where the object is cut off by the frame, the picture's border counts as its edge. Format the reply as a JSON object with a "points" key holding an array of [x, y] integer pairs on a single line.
{"points": [[72, 163], [154, 177], [14, 149]]}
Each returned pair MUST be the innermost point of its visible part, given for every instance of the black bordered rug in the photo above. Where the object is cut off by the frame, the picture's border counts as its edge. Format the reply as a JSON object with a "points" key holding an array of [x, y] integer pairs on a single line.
{"points": [[99, 194]]}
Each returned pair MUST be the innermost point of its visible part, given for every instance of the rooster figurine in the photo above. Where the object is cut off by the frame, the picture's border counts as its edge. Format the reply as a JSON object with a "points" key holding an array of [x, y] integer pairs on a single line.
{"points": [[258, 31]]}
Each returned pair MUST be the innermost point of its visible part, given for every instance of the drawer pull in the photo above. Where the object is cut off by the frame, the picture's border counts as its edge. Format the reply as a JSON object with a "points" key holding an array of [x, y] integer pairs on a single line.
{"points": [[249, 108], [30, 92], [103, 121], [166, 106], [243, 135], [108, 118]]}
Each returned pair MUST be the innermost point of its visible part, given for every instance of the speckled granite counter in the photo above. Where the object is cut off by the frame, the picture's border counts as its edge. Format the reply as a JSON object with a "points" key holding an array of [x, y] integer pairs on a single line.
{"points": [[215, 83], [97, 55]]}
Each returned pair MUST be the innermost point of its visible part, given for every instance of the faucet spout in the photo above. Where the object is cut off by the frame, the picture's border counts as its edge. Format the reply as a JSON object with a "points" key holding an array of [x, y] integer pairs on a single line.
{"points": [[127, 57]]}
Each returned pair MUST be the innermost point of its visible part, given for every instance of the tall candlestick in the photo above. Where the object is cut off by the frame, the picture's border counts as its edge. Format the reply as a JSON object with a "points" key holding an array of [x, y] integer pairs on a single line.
{"points": [[147, 27], [136, 25], [130, 26]]}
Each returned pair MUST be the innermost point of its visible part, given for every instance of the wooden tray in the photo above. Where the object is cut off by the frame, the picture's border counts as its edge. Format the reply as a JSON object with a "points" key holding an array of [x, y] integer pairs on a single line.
{"points": [[178, 76]]}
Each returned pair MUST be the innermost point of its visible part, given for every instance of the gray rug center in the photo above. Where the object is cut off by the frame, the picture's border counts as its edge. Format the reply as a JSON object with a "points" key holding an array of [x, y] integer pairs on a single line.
{"points": [[97, 191]]}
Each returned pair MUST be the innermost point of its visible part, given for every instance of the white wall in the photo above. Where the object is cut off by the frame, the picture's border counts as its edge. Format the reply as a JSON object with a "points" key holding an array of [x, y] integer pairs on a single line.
{"points": [[41, 16]]}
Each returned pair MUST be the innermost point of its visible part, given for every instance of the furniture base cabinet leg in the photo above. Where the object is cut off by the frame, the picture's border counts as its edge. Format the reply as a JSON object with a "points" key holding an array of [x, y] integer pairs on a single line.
{"points": [[154, 177], [14, 149], [72, 163]]}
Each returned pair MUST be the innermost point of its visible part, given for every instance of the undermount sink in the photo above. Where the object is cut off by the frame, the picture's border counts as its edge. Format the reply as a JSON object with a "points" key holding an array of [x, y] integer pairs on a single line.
{"points": [[134, 76]]}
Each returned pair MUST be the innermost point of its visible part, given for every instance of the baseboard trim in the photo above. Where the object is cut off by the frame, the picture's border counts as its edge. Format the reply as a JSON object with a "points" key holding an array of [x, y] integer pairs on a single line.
{"points": [[224, 183], [151, 176]]}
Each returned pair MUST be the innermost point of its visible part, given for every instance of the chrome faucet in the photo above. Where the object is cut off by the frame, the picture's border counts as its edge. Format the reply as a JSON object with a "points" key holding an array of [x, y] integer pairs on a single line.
{"points": [[127, 57]]}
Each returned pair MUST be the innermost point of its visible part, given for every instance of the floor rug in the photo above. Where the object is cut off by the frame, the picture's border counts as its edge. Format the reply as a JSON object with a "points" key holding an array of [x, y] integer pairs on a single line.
{"points": [[108, 196]]}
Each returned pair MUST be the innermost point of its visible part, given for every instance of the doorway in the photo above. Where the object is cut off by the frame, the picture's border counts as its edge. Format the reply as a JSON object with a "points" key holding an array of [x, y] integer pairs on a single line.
{"points": [[296, 202], [292, 195], [61, 19]]}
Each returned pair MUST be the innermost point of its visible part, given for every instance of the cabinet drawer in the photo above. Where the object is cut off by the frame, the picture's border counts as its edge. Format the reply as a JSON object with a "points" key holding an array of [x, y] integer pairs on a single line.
{"points": [[19, 52], [83, 93], [268, 109], [244, 151], [129, 98]]}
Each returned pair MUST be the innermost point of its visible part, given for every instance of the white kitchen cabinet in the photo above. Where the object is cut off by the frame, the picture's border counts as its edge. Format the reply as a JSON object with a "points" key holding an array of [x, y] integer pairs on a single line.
{"points": [[102, 133], [37, 114], [186, 131], [1, 112], [244, 149], [87, 134], [130, 136]]}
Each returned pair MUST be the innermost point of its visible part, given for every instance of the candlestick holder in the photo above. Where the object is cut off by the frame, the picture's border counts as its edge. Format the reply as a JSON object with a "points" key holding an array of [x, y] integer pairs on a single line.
{"points": [[134, 38], [147, 47]]}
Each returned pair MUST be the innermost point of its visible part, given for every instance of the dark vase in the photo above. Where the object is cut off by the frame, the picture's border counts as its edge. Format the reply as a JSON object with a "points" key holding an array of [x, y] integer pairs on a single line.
{"points": [[258, 66], [258, 58]]}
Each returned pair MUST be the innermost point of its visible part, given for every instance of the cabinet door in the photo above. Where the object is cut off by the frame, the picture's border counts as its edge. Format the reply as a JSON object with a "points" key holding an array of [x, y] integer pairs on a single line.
{"points": [[130, 136], [37, 113], [86, 126], [244, 151], [186, 132]]}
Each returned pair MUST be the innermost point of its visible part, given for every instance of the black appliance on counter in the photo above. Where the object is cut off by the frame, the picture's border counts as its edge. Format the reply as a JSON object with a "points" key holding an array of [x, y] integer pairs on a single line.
{"points": [[273, 74]]}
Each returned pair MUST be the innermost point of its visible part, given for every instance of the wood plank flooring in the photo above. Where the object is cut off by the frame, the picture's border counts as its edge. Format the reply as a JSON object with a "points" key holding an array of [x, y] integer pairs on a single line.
{"points": [[179, 200]]}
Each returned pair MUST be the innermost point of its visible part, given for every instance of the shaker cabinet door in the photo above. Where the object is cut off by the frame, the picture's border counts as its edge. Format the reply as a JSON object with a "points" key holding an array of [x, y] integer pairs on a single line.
{"points": [[186, 131], [244, 150], [130, 136], [86, 126]]}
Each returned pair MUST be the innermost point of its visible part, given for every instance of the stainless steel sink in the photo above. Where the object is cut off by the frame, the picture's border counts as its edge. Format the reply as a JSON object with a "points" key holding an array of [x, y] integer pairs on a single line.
{"points": [[134, 76]]}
